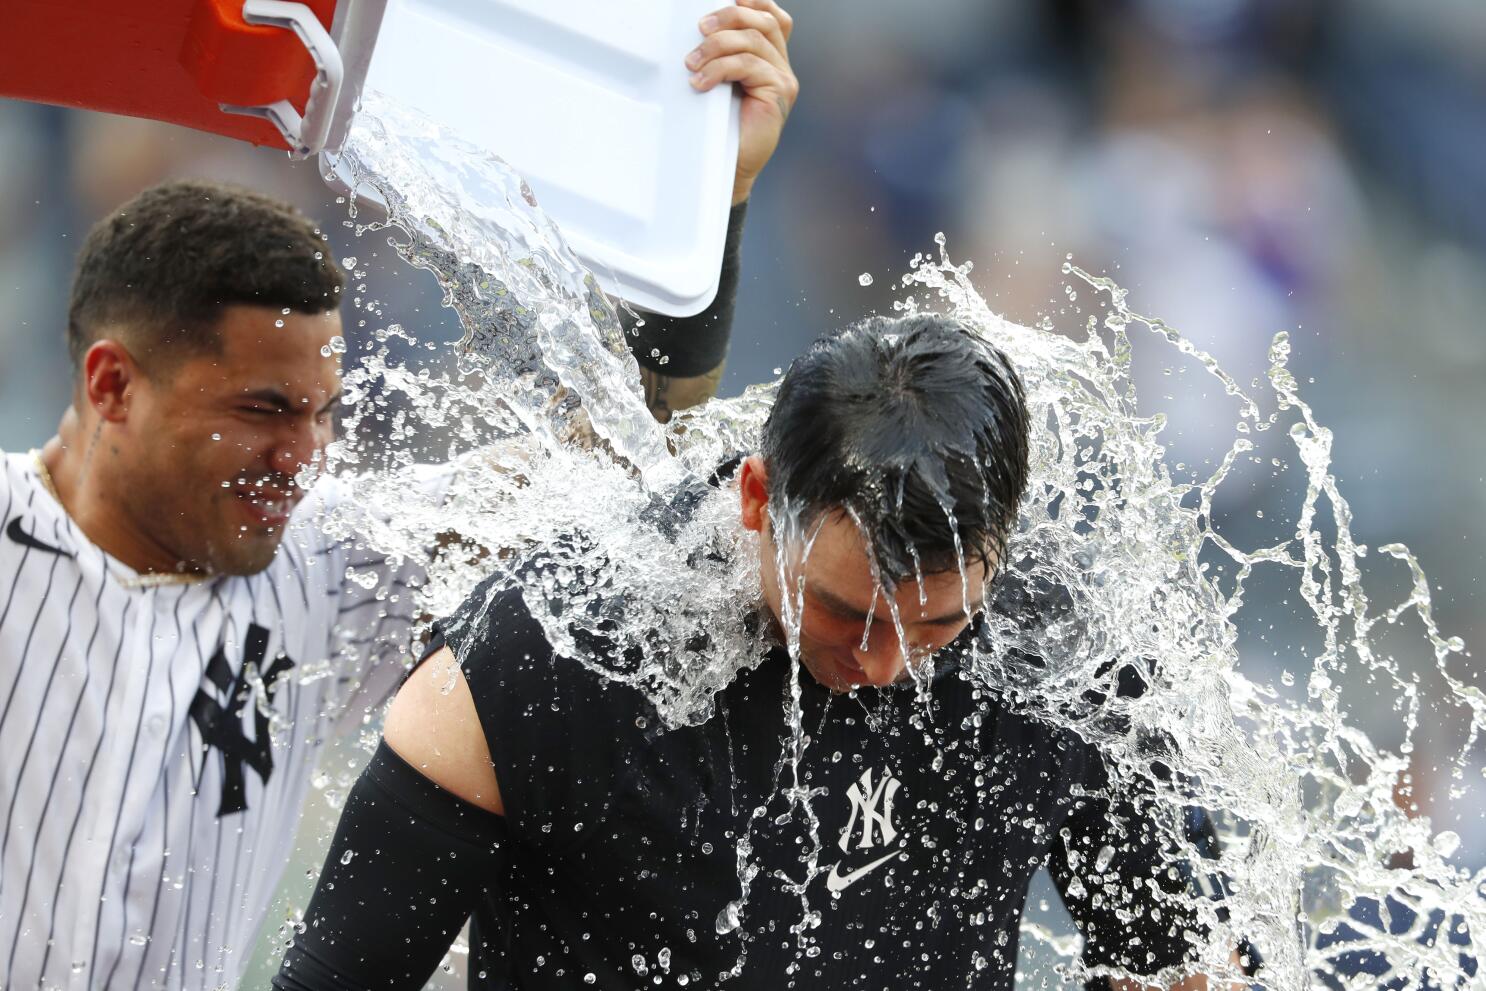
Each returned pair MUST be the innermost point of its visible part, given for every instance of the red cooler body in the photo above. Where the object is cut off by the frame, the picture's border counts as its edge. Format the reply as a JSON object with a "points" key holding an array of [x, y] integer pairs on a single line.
{"points": [[245, 70]]}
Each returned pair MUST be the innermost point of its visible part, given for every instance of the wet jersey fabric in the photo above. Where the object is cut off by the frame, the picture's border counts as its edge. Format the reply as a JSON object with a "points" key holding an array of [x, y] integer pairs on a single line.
{"points": [[159, 739], [627, 839]]}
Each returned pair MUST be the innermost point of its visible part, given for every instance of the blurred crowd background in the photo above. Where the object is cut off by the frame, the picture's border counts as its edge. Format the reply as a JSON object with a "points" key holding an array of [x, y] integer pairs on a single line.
{"points": [[1242, 167]]}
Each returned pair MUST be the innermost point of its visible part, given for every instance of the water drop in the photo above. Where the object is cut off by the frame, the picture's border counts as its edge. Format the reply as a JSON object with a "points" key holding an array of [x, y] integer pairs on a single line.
{"points": [[730, 918]]}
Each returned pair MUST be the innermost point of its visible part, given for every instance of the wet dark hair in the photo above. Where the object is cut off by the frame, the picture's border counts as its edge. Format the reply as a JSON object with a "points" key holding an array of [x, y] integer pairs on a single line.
{"points": [[903, 421], [162, 267]]}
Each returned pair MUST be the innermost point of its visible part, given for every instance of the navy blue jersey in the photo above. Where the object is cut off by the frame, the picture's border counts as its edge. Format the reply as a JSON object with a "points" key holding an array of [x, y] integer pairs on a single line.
{"points": [[630, 842]]}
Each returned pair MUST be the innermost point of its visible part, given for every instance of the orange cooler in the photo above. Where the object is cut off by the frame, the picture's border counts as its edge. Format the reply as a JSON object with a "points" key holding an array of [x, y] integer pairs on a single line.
{"points": [[263, 71]]}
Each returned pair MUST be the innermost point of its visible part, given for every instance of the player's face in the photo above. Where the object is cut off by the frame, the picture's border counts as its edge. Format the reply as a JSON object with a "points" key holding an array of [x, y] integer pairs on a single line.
{"points": [[221, 437], [848, 637], [847, 634]]}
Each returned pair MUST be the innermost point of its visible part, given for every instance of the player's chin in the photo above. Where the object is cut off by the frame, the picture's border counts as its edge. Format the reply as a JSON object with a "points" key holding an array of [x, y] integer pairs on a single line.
{"points": [[248, 557], [245, 550]]}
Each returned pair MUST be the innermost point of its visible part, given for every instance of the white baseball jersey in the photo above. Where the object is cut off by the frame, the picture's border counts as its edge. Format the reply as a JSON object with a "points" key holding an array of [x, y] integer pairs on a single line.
{"points": [[157, 742]]}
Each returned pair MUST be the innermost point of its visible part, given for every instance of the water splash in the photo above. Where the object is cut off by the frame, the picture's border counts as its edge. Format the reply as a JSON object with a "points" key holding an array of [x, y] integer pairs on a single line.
{"points": [[564, 470], [1312, 824], [605, 521]]}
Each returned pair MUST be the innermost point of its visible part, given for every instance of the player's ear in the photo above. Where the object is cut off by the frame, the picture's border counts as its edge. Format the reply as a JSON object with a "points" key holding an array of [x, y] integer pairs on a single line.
{"points": [[753, 493], [110, 377]]}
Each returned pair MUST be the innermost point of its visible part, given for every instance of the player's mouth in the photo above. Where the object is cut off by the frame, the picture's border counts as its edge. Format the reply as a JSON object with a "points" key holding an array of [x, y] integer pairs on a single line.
{"points": [[267, 507]]}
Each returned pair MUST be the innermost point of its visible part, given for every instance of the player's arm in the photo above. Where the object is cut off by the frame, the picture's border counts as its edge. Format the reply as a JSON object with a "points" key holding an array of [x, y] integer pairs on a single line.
{"points": [[681, 358], [432, 724], [1135, 913], [747, 44], [421, 835]]}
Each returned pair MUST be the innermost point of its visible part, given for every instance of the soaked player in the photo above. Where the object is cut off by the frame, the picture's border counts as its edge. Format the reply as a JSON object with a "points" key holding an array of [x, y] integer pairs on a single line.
{"points": [[593, 847], [178, 637]]}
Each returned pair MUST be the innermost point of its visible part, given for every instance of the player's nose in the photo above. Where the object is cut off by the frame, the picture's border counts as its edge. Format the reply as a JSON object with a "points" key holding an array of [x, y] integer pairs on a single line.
{"points": [[297, 447], [881, 663]]}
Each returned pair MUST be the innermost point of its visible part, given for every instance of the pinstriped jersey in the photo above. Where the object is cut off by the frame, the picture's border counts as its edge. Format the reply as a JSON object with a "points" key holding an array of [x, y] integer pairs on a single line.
{"points": [[159, 741]]}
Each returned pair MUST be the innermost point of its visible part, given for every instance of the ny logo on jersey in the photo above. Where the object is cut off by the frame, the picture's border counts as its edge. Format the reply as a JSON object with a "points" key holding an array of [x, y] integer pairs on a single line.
{"points": [[874, 807], [220, 722], [872, 810]]}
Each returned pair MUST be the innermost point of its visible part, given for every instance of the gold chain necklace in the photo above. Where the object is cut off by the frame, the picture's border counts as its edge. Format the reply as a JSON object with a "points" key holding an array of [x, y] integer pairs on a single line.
{"points": [[153, 579]]}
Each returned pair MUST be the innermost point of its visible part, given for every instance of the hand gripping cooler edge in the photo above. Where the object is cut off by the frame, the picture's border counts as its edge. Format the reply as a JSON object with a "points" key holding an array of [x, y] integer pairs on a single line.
{"points": [[587, 99]]}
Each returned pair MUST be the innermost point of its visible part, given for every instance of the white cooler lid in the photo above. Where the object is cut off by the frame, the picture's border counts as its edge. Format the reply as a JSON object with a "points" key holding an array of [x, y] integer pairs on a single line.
{"points": [[590, 101]]}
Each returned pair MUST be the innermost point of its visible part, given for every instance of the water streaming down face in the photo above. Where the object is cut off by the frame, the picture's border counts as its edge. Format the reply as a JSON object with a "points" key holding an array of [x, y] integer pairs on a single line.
{"points": [[606, 522]]}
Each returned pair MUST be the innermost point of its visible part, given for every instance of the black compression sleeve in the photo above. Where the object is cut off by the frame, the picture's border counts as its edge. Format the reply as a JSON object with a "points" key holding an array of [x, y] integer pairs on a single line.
{"points": [[408, 862], [1135, 915], [694, 345]]}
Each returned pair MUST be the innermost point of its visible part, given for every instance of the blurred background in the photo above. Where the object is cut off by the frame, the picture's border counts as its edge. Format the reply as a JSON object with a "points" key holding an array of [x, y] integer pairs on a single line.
{"points": [[1242, 167]]}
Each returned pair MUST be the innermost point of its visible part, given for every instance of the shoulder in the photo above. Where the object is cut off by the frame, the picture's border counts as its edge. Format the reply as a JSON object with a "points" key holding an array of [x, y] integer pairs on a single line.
{"points": [[336, 546], [17, 474], [494, 622], [519, 682], [30, 515], [434, 726], [1028, 747], [450, 713], [556, 733]]}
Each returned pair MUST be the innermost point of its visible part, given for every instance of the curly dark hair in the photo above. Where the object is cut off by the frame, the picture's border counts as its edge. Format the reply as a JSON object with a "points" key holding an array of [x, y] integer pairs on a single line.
{"points": [[907, 423], [160, 269]]}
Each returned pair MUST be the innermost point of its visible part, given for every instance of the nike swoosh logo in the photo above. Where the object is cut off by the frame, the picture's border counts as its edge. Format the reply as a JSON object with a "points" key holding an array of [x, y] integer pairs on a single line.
{"points": [[15, 532], [840, 882]]}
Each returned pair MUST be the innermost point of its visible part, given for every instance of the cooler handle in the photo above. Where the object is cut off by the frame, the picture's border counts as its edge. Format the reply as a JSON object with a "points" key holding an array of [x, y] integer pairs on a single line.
{"points": [[305, 135]]}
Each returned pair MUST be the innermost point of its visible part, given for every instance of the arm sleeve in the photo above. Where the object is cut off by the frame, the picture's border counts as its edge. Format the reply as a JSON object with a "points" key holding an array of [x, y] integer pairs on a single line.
{"points": [[1132, 901], [698, 344], [408, 862]]}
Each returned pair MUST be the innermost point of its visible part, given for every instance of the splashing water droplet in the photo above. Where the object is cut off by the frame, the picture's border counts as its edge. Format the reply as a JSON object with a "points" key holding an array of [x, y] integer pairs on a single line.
{"points": [[1446, 843]]}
